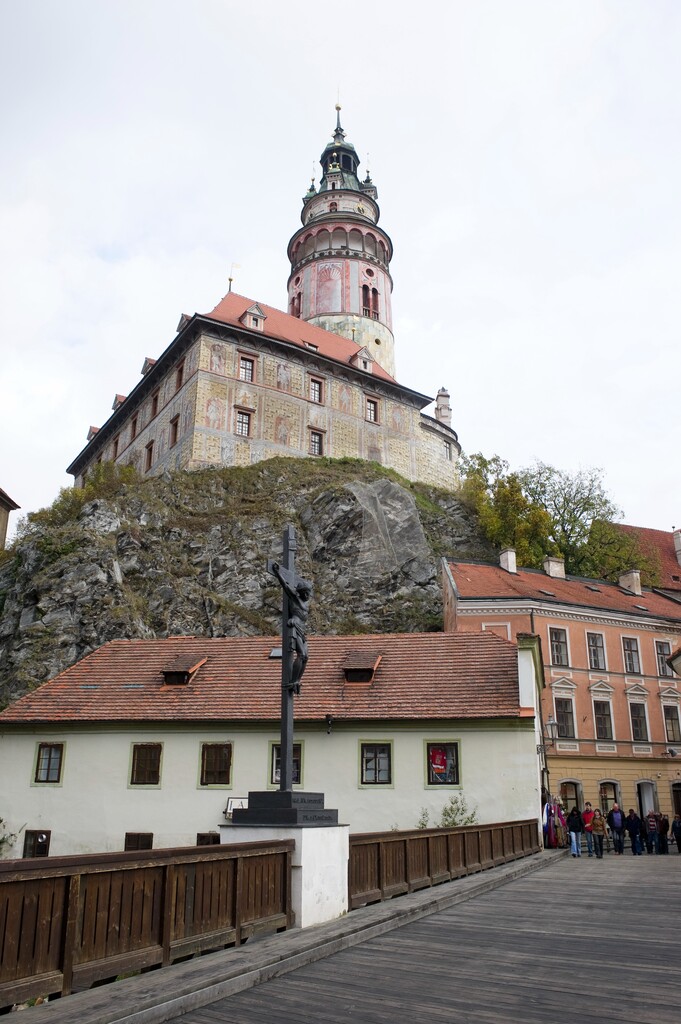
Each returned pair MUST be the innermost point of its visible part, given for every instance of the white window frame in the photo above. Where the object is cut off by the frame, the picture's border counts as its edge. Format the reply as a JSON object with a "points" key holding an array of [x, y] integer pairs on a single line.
{"points": [[565, 630], [639, 701], [603, 699], [631, 671], [604, 667]]}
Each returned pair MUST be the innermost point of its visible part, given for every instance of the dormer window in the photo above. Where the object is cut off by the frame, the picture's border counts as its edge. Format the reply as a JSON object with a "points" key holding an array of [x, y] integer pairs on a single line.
{"points": [[361, 666], [181, 670], [255, 321]]}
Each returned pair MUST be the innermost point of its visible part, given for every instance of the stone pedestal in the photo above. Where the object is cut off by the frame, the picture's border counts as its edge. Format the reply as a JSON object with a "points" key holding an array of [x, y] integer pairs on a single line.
{"points": [[319, 876], [274, 807]]}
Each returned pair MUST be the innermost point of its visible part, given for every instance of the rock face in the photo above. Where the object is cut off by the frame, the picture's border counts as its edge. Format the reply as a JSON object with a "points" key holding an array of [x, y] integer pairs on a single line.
{"points": [[186, 555]]}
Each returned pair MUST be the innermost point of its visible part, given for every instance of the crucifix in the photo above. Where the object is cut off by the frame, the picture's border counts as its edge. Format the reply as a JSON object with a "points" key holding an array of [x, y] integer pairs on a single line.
{"points": [[297, 594]]}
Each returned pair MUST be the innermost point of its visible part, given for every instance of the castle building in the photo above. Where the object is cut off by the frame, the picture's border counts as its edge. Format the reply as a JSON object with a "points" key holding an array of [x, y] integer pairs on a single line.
{"points": [[248, 382]]}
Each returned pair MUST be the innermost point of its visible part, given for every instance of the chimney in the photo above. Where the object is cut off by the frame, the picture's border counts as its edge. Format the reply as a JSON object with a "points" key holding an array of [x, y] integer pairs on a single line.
{"points": [[554, 567], [507, 560], [677, 545], [631, 581], [443, 410]]}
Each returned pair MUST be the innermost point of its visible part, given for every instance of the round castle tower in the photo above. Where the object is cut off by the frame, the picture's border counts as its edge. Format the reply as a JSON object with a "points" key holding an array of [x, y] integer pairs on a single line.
{"points": [[340, 259]]}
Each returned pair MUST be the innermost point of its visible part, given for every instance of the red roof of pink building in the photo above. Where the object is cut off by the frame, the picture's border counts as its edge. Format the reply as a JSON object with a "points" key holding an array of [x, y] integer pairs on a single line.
{"points": [[477, 580]]}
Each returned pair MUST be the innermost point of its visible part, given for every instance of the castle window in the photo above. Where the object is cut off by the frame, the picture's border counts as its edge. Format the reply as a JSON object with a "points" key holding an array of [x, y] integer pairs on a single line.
{"points": [[316, 442], [246, 369], [179, 376], [133, 428], [603, 717], [374, 303], [114, 449], [254, 321], [154, 404], [372, 410], [366, 292], [448, 451], [559, 647], [243, 424], [148, 456], [174, 431], [316, 390]]}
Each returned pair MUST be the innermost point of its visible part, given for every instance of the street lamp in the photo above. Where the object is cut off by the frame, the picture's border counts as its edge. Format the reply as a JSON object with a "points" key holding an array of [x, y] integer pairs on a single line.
{"points": [[551, 731]]}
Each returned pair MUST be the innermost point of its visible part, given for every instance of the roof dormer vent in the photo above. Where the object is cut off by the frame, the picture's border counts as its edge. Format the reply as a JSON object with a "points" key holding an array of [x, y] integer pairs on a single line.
{"points": [[361, 666], [181, 670]]}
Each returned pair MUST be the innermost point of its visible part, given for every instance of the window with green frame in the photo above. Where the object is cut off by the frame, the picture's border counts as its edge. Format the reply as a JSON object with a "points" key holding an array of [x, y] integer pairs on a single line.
{"points": [[442, 764], [275, 764], [376, 764]]}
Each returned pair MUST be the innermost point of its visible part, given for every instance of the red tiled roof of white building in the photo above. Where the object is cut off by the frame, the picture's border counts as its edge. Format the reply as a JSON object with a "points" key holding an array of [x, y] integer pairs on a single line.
{"points": [[418, 677]]}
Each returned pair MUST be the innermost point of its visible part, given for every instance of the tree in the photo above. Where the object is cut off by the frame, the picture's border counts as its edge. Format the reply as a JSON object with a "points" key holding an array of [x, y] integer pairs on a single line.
{"points": [[541, 510], [507, 516]]}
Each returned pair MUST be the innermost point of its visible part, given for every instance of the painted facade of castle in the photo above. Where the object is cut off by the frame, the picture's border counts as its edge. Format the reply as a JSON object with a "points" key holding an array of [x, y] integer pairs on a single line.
{"points": [[248, 382]]}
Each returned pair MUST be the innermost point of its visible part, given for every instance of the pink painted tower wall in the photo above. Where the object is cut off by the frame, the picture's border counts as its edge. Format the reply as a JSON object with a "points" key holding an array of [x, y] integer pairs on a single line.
{"points": [[340, 258]]}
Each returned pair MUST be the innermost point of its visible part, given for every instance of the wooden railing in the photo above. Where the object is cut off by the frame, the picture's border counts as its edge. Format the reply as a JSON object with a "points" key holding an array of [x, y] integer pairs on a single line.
{"points": [[387, 864], [67, 922]]}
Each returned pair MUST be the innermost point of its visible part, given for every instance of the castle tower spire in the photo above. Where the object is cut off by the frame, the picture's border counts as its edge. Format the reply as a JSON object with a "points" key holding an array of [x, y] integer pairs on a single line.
{"points": [[340, 258]]}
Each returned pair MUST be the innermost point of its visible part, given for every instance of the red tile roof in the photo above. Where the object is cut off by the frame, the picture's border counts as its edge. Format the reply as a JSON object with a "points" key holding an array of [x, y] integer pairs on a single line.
{"points": [[658, 545], [477, 580], [292, 329], [420, 677]]}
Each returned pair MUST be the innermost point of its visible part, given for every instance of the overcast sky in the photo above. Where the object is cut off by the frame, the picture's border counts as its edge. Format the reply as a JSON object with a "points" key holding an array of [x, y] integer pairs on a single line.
{"points": [[527, 155]]}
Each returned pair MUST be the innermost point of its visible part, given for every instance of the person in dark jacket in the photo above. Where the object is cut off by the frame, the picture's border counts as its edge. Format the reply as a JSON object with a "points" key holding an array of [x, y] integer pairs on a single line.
{"points": [[575, 826], [663, 826], [676, 831], [633, 827], [616, 823]]}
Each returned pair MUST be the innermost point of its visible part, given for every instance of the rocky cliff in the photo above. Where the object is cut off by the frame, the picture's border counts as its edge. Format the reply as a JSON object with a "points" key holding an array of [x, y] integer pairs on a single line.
{"points": [[186, 554]]}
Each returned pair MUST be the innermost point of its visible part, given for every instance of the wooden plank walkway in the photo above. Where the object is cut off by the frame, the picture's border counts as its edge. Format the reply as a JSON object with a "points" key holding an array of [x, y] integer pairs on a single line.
{"points": [[586, 940]]}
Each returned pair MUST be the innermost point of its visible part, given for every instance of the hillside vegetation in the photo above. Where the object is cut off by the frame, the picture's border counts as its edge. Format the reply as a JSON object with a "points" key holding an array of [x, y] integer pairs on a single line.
{"points": [[186, 554]]}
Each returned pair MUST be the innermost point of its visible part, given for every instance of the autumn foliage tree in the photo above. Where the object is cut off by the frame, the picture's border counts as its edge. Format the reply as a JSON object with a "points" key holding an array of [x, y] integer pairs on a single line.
{"points": [[541, 510]]}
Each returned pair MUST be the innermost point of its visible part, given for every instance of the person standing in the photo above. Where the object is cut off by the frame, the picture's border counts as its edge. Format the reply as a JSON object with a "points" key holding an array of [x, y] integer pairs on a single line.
{"points": [[633, 827], [663, 825], [598, 832], [575, 826], [651, 829], [616, 824], [587, 817], [676, 831]]}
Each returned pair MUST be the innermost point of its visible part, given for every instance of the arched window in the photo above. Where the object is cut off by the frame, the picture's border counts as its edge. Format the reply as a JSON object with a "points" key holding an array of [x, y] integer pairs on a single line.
{"points": [[608, 794], [370, 244], [374, 303], [355, 240], [366, 300], [571, 794], [339, 239], [323, 241]]}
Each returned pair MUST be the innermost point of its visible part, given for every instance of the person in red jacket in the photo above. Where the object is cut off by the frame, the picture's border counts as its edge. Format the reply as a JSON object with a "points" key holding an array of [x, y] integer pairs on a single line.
{"points": [[587, 818]]}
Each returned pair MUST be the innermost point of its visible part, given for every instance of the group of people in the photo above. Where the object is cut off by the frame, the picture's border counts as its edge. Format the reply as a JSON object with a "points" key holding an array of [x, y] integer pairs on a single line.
{"points": [[650, 832]]}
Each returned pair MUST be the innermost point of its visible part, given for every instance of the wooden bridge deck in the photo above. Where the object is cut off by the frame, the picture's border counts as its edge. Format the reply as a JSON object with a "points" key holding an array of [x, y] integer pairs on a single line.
{"points": [[586, 940]]}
